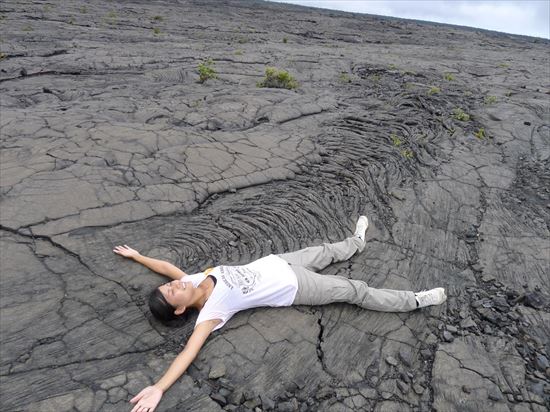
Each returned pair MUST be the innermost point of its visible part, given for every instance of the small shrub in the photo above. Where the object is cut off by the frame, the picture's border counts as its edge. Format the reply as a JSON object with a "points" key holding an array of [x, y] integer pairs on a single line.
{"points": [[449, 77], [280, 79], [28, 27], [459, 114], [434, 90], [2, 55], [407, 153], [375, 77], [84, 9], [344, 78], [156, 31], [508, 94], [158, 18], [206, 71], [480, 134], [111, 15], [392, 67], [71, 20], [238, 52], [490, 99], [242, 40], [285, 40], [504, 65], [395, 140]]}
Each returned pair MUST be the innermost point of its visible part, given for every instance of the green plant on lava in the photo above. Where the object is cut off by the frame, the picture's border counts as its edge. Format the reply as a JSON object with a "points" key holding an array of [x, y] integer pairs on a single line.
{"points": [[156, 31], [238, 52], [396, 141], [279, 79], [490, 99], [449, 77], [206, 71], [345, 78], [110, 18], [158, 18], [480, 134], [28, 27], [407, 153], [459, 114], [285, 40], [434, 90]]}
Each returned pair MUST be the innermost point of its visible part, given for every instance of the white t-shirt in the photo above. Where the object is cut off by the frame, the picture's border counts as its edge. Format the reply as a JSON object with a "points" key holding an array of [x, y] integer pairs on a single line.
{"points": [[268, 281]]}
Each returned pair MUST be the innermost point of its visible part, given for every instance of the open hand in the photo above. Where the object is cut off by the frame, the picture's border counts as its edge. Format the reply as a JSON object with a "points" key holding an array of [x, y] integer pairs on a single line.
{"points": [[147, 400], [125, 251]]}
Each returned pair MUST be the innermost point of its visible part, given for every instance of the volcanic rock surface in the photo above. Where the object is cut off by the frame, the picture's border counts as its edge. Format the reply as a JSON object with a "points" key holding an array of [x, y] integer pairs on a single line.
{"points": [[439, 134]]}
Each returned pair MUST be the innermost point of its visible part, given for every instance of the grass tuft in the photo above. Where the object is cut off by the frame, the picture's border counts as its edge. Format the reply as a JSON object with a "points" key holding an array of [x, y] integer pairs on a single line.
{"points": [[449, 77], [396, 141], [459, 114], [206, 71], [480, 134], [407, 153], [345, 78], [279, 79]]}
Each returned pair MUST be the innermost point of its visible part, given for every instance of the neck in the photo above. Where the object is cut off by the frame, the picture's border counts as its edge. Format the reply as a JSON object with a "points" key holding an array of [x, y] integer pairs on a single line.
{"points": [[202, 293]]}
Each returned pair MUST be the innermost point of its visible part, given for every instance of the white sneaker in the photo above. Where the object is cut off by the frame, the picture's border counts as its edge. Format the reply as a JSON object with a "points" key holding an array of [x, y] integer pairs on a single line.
{"points": [[361, 227], [430, 297]]}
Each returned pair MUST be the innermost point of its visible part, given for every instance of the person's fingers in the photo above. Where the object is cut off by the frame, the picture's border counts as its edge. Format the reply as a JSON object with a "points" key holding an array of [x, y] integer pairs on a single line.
{"points": [[137, 397], [138, 408]]}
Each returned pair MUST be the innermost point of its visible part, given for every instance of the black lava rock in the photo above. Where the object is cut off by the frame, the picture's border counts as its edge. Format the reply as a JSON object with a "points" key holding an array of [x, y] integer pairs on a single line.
{"points": [[535, 300]]}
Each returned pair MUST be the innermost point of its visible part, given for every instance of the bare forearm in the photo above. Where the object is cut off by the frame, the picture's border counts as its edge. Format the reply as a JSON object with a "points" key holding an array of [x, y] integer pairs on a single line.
{"points": [[160, 266], [184, 359], [176, 369]]}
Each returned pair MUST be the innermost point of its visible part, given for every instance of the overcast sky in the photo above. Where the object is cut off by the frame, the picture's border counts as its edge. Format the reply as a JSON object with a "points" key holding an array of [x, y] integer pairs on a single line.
{"points": [[528, 17]]}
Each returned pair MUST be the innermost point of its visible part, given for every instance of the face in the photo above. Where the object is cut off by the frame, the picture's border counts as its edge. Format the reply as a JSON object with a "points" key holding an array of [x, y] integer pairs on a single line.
{"points": [[178, 294]]}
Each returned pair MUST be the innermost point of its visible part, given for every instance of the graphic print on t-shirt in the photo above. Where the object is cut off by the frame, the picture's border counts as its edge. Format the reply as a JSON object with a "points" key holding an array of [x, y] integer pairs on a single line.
{"points": [[240, 277]]}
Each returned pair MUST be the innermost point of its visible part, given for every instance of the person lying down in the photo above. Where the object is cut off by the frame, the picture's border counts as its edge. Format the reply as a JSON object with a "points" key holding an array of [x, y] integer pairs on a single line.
{"points": [[276, 280]]}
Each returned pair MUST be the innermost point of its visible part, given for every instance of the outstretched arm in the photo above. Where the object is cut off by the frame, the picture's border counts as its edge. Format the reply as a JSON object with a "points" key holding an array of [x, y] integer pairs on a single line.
{"points": [[149, 398], [160, 266]]}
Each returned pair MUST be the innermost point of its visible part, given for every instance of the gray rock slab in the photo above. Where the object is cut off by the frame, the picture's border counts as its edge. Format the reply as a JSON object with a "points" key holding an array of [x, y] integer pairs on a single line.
{"points": [[109, 138]]}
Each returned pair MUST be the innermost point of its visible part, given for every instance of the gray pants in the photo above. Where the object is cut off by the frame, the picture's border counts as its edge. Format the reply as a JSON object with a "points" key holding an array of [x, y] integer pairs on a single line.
{"points": [[316, 289]]}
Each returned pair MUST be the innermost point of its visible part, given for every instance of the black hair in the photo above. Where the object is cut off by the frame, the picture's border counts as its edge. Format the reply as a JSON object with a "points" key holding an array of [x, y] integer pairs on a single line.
{"points": [[160, 308], [164, 311]]}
